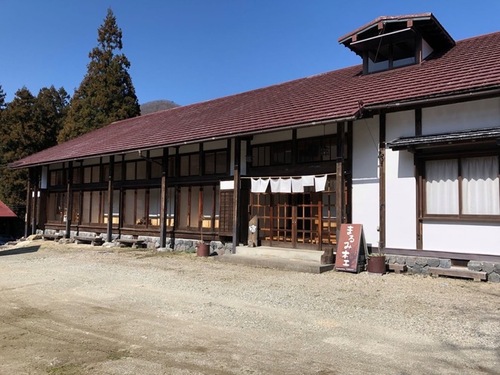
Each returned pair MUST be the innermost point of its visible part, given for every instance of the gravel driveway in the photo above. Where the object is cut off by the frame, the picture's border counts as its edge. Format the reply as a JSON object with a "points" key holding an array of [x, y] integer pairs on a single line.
{"points": [[77, 309]]}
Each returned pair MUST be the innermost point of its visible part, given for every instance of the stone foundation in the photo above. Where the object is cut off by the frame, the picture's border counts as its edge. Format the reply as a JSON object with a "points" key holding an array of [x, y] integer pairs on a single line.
{"points": [[420, 265]]}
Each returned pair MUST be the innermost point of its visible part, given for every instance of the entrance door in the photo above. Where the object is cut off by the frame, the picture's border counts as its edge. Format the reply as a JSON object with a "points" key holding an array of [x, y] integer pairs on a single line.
{"points": [[299, 220]]}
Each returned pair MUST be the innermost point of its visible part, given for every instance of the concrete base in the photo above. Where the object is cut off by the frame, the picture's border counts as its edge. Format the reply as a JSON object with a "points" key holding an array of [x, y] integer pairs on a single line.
{"points": [[308, 261]]}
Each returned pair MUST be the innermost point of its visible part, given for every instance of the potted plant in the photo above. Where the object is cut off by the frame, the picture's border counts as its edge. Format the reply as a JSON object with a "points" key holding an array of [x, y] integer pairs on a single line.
{"points": [[202, 248], [376, 262]]}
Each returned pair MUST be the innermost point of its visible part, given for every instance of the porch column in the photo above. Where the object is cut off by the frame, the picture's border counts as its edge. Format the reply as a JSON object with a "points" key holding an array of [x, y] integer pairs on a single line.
{"points": [[27, 218], [381, 160], [69, 198], [339, 178], [163, 199], [34, 195], [111, 176], [236, 194]]}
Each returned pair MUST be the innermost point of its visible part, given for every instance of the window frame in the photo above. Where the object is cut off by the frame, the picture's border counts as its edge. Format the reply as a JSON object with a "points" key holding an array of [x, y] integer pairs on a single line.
{"points": [[460, 216]]}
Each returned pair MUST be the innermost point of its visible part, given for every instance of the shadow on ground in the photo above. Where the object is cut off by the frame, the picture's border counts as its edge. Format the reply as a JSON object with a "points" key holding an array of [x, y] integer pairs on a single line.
{"points": [[20, 251]]}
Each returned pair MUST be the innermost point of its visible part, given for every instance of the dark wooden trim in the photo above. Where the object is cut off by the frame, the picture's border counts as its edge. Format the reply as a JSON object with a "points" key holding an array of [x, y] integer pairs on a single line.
{"points": [[111, 175], [339, 178], [382, 181], [29, 203], [348, 174], [418, 179], [69, 198], [163, 199], [236, 195], [420, 202], [418, 122]]}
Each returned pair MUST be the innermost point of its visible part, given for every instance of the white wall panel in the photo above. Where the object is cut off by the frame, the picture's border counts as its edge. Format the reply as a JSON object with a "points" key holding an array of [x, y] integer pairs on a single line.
{"points": [[462, 238], [365, 189], [461, 116], [400, 185]]}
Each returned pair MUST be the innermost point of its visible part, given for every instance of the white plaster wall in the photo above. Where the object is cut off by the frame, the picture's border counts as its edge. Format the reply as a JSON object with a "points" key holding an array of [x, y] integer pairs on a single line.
{"points": [[400, 192], [461, 116], [481, 238], [462, 238], [365, 182]]}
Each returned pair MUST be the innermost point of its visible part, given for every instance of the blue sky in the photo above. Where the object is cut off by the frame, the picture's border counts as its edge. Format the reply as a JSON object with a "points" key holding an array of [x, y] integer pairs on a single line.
{"points": [[189, 51]]}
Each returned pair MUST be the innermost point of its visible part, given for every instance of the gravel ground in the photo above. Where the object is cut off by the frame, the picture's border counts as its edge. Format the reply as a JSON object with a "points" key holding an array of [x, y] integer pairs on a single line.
{"points": [[77, 309]]}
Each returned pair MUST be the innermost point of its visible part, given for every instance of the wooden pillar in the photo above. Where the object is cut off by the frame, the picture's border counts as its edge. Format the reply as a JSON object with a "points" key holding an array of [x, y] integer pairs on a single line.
{"points": [[236, 195], [381, 157], [69, 198], [163, 199], [418, 168], [27, 217], [35, 185], [339, 178], [111, 177]]}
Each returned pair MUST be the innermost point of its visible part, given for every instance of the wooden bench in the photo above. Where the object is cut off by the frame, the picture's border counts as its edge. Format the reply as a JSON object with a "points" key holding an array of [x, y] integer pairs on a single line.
{"points": [[52, 236], [94, 241], [397, 268], [461, 272], [132, 242]]}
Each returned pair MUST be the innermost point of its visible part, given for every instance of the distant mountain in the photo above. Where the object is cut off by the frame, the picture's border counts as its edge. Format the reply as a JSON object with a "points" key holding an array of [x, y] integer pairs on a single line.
{"points": [[157, 105]]}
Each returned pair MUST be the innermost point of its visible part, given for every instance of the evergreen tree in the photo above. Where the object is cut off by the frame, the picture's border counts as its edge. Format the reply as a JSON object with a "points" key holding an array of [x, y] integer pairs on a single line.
{"points": [[28, 124], [17, 121], [106, 93]]}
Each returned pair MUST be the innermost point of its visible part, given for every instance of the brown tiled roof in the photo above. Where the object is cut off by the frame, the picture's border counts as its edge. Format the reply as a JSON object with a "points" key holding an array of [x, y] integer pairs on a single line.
{"points": [[6, 211], [472, 65]]}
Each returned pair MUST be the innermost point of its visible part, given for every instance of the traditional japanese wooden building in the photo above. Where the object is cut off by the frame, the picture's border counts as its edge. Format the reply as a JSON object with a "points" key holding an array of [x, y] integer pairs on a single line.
{"points": [[406, 143]]}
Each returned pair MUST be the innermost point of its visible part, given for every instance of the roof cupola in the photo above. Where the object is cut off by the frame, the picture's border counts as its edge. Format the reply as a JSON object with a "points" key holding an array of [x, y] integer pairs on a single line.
{"points": [[392, 42]]}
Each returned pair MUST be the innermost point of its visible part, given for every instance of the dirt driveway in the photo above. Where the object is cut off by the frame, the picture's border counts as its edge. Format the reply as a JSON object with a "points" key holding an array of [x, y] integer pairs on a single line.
{"points": [[73, 309]]}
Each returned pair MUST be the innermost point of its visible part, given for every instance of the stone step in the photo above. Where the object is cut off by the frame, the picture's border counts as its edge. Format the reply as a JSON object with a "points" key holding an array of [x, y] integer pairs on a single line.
{"points": [[282, 253]]}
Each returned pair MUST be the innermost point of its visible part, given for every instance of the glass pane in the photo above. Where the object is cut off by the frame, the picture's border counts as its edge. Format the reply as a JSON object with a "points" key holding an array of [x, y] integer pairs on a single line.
{"points": [[442, 187], [480, 186]]}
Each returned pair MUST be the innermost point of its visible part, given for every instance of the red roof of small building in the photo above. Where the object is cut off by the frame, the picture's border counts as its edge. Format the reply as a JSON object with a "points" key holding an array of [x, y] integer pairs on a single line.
{"points": [[472, 65], [6, 211]]}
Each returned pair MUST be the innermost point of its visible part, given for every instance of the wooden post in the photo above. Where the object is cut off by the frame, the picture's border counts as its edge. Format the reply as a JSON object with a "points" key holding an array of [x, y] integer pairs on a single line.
{"points": [[34, 216], [111, 176], [69, 198], [163, 199], [381, 156], [236, 195], [27, 218]]}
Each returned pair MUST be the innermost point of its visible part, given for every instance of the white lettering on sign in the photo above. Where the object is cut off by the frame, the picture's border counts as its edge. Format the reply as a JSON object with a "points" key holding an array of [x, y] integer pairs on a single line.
{"points": [[348, 246]]}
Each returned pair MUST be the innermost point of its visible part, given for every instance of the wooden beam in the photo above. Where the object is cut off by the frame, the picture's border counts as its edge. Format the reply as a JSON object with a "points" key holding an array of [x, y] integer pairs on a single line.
{"points": [[163, 199], [111, 175], [69, 198], [236, 195], [382, 181]]}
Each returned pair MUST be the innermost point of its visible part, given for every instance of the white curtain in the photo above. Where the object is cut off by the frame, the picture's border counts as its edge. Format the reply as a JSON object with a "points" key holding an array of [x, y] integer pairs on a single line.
{"points": [[442, 187], [480, 186], [259, 185], [320, 183]]}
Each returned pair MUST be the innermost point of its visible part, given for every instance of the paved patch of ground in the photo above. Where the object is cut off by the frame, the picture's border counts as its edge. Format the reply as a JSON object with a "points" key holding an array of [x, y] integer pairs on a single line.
{"points": [[77, 309]]}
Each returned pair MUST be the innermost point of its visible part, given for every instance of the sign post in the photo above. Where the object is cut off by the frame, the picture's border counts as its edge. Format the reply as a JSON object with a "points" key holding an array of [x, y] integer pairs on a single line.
{"points": [[351, 241]]}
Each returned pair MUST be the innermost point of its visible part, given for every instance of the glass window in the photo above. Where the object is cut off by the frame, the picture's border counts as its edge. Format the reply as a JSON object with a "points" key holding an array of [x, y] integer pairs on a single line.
{"points": [[466, 186]]}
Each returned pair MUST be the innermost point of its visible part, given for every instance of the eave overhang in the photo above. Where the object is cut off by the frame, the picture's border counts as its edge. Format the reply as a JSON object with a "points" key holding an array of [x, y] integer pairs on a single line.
{"points": [[484, 135]]}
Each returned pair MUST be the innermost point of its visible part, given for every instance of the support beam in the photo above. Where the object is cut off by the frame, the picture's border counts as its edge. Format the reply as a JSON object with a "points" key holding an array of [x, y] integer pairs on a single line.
{"points": [[382, 181], [29, 202], [163, 199], [111, 176], [69, 198], [236, 195]]}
